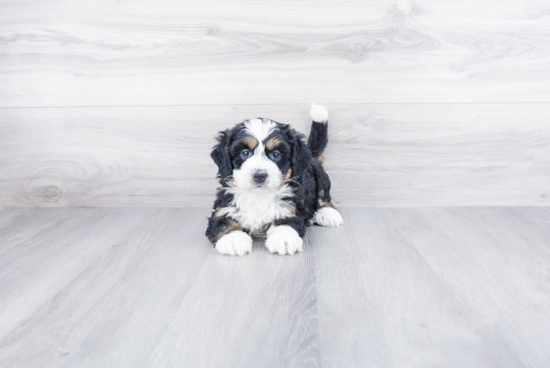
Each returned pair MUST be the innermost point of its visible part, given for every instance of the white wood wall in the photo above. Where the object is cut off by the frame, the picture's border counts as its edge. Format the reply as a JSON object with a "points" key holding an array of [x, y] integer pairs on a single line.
{"points": [[116, 103]]}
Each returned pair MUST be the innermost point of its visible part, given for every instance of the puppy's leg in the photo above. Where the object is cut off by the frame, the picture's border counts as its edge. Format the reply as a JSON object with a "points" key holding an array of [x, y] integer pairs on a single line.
{"points": [[228, 236], [326, 214], [285, 236]]}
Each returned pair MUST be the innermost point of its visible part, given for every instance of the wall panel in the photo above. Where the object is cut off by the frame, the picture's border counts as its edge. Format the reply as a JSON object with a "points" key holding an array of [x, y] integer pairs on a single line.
{"points": [[378, 155]]}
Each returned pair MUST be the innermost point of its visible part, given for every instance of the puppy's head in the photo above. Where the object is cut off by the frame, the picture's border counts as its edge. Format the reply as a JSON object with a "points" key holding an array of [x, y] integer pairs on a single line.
{"points": [[260, 155]]}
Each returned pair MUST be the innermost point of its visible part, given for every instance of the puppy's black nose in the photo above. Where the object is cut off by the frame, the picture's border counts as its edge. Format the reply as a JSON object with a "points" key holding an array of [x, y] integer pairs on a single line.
{"points": [[260, 176]]}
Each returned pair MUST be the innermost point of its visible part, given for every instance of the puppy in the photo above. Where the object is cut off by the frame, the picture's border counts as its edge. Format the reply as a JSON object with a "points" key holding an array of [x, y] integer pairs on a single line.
{"points": [[272, 183]]}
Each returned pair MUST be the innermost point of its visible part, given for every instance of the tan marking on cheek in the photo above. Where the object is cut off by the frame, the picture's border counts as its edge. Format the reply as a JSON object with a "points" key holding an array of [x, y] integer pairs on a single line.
{"points": [[233, 226], [287, 176], [251, 142], [272, 143]]}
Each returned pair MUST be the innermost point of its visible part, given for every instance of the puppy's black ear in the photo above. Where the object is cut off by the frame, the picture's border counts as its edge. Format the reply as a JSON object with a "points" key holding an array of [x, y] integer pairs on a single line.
{"points": [[301, 156], [220, 154]]}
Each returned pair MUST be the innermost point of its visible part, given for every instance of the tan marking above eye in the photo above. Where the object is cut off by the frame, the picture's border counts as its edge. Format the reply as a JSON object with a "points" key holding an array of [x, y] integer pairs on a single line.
{"points": [[272, 143], [250, 141]]}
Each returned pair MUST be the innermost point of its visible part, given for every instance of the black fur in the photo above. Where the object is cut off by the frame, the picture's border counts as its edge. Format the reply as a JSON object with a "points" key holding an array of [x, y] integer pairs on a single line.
{"points": [[318, 139], [310, 182], [220, 154], [301, 156], [216, 225], [308, 189]]}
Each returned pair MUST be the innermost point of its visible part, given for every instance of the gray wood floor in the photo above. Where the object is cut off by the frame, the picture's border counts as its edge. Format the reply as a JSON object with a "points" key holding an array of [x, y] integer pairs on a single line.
{"points": [[132, 287]]}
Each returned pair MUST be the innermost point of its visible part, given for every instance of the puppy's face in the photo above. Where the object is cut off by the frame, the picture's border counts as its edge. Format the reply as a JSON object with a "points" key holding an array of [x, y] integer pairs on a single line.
{"points": [[260, 155]]}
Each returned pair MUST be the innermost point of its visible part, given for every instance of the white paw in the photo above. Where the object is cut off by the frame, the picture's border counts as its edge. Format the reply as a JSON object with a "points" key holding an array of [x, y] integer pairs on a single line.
{"points": [[329, 217], [236, 243], [283, 240]]}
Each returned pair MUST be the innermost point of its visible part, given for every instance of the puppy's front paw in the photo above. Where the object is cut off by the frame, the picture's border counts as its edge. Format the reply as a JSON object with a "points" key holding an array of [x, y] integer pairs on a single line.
{"points": [[283, 240], [236, 243], [329, 217]]}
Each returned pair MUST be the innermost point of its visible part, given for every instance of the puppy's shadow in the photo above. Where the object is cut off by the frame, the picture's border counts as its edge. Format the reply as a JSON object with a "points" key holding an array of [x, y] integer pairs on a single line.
{"points": [[258, 244]]}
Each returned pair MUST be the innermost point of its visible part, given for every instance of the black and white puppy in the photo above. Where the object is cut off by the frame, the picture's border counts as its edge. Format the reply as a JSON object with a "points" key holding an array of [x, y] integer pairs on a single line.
{"points": [[271, 182]]}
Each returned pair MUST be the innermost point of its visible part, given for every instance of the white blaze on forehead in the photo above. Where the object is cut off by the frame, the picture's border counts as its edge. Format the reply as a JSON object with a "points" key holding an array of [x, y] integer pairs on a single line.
{"points": [[260, 129]]}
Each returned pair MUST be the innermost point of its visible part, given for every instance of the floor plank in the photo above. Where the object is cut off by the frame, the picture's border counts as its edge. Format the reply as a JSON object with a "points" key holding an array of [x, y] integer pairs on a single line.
{"points": [[380, 304], [47, 260], [111, 53], [434, 287], [133, 286], [506, 261], [394, 287], [246, 312]]}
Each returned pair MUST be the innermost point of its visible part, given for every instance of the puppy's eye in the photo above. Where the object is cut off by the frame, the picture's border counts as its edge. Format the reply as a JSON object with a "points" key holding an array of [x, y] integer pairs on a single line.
{"points": [[246, 153], [275, 156]]}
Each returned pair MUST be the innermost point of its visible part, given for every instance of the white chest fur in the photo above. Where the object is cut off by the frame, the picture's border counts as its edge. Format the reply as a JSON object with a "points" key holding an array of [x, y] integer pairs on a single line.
{"points": [[255, 211]]}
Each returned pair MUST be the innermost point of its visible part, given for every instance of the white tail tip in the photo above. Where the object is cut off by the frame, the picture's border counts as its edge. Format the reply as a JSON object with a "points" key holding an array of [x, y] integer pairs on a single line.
{"points": [[318, 113]]}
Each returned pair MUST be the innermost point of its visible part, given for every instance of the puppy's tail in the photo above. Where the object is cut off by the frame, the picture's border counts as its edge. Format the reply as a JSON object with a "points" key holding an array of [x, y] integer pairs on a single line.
{"points": [[318, 138]]}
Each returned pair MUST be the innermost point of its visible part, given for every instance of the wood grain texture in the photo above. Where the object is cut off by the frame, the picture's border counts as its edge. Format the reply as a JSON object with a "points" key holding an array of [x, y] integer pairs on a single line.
{"points": [[434, 287], [393, 287], [378, 155], [181, 52], [253, 312], [159, 288], [25, 262]]}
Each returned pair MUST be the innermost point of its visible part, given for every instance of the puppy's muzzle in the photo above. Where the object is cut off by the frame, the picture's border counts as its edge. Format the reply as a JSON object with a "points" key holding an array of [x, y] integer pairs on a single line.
{"points": [[260, 176]]}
